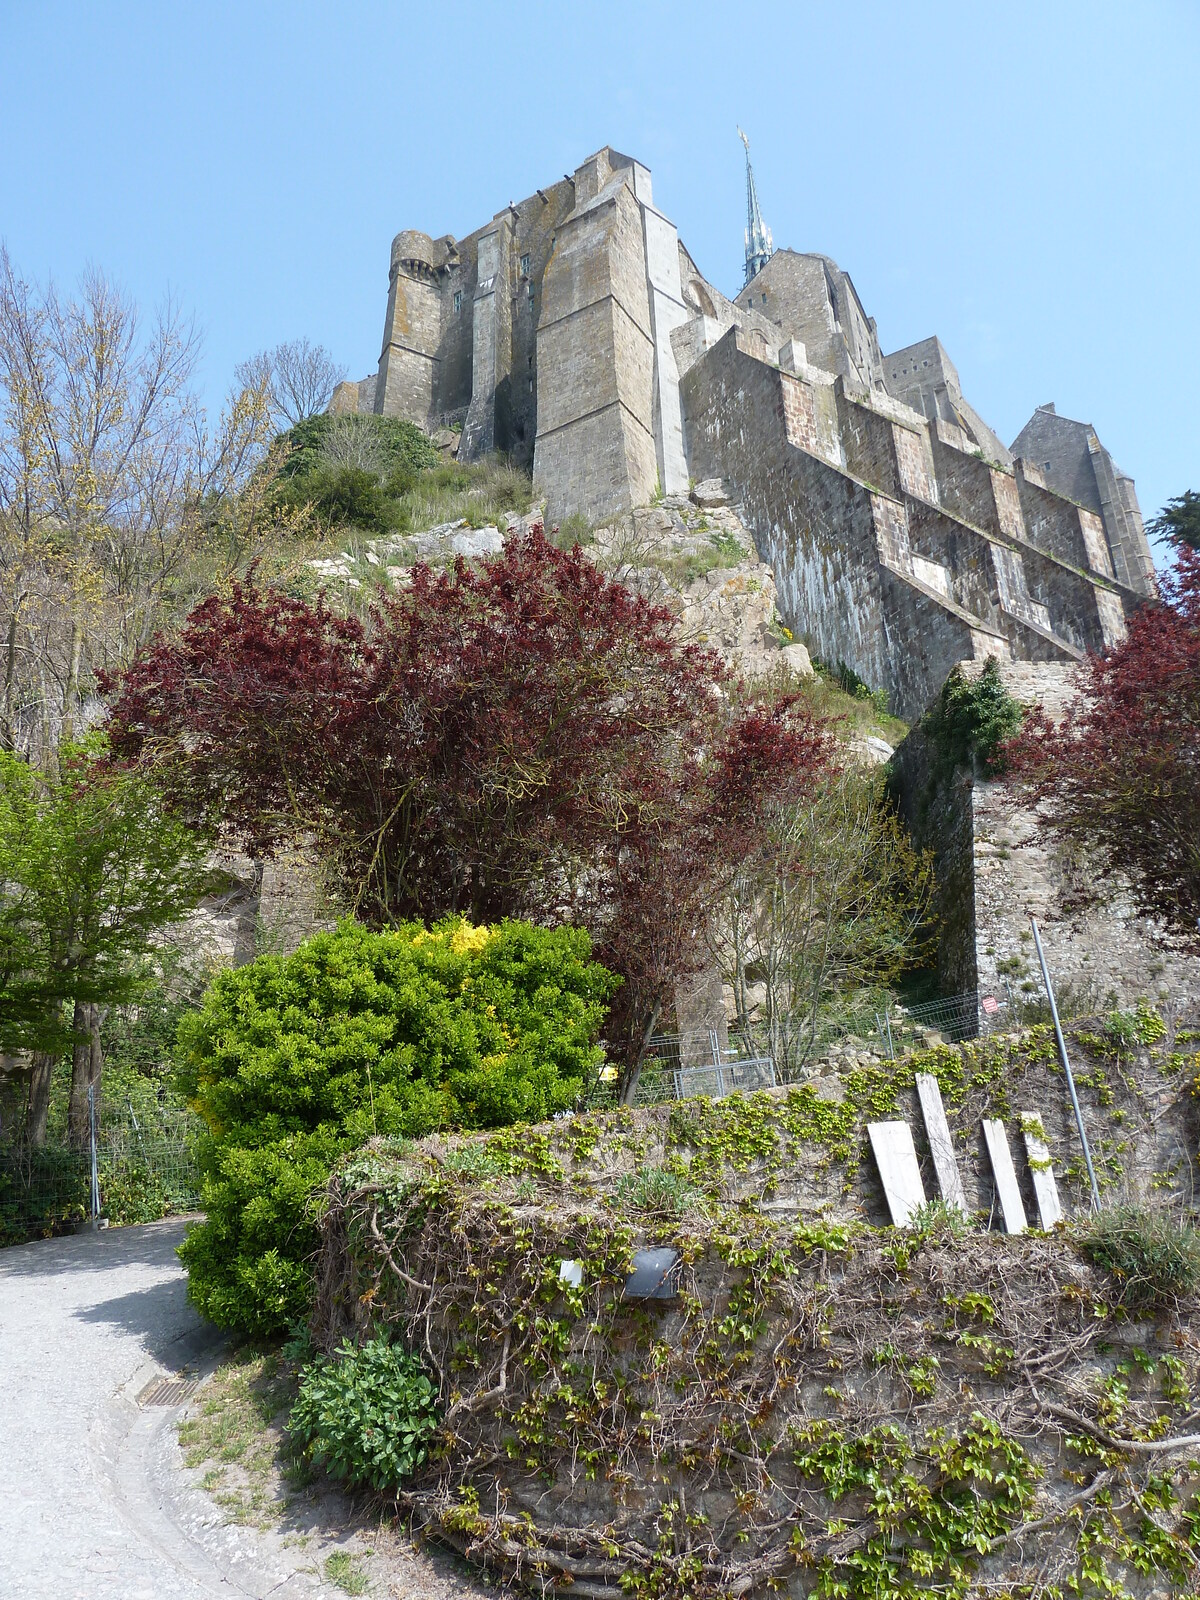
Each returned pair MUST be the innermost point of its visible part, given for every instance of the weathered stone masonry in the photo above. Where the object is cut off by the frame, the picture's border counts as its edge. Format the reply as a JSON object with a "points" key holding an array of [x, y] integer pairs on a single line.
{"points": [[576, 334], [996, 869]]}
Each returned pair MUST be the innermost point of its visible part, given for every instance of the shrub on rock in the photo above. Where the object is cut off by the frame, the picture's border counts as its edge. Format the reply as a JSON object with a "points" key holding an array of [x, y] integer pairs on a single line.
{"points": [[294, 1060]]}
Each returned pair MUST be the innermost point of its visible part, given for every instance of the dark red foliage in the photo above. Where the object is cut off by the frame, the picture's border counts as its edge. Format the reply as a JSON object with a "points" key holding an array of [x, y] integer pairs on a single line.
{"points": [[1119, 780], [520, 738]]}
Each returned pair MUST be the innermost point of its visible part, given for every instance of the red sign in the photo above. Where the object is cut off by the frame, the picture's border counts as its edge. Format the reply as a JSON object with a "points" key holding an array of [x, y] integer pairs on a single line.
{"points": [[990, 1003]]}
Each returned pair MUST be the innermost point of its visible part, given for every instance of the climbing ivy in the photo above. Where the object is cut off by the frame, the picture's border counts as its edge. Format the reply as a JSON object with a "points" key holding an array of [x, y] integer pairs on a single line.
{"points": [[932, 1508]]}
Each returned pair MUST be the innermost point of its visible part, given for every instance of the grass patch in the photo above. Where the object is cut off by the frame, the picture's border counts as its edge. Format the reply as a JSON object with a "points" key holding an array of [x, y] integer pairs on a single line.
{"points": [[656, 1191], [571, 531], [342, 1569], [237, 1432], [344, 501], [855, 716], [480, 493], [1152, 1257], [720, 550]]}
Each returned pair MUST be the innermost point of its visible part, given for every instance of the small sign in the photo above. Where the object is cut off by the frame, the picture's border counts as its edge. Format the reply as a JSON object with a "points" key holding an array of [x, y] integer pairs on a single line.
{"points": [[990, 1004], [570, 1274], [655, 1275]]}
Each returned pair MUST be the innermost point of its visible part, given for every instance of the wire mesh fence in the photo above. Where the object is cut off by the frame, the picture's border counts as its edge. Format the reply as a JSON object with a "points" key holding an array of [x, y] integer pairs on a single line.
{"points": [[145, 1168], [677, 1066], [904, 1028], [681, 1065]]}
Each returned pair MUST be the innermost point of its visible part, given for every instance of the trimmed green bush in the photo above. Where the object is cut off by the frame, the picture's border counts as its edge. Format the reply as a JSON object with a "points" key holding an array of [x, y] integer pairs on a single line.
{"points": [[400, 444], [1153, 1258], [366, 1415], [292, 1061], [341, 495]]}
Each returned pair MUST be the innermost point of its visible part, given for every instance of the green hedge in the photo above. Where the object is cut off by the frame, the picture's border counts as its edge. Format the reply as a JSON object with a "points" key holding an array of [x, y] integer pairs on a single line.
{"points": [[401, 444], [292, 1061]]}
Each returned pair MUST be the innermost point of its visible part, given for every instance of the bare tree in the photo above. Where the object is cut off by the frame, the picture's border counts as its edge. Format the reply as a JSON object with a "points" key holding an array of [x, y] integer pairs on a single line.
{"points": [[111, 483], [299, 379], [352, 441], [119, 504]]}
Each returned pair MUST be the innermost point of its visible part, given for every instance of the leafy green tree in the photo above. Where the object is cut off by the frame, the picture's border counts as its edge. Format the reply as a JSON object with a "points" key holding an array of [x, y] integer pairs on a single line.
{"points": [[292, 1061], [92, 866], [1118, 780], [970, 722], [836, 902], [341, 495], [1179, 520]]}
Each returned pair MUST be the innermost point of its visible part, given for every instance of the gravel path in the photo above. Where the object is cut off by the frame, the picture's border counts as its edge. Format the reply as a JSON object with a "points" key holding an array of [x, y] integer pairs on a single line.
{"points": [[94, 1501]]}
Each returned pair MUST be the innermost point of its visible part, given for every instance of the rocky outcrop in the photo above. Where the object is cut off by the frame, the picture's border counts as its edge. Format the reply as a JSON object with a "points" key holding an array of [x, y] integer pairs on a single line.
{"points": [[694, 555]]}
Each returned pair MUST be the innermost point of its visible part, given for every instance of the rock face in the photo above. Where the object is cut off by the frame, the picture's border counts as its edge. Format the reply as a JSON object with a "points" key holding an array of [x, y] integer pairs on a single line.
{"points": [[395, 553], [694, 555]]}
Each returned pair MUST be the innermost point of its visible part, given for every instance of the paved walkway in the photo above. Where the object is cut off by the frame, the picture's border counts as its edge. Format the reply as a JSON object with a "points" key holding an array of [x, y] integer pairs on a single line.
{"points": [[94, 1504]]}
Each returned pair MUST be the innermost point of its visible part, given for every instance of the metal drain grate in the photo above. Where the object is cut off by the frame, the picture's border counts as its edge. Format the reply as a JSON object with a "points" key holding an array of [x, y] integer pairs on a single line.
{"points": [[168, 1391]]}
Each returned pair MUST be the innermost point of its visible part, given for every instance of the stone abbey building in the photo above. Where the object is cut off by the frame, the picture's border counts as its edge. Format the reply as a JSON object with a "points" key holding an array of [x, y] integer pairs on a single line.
{"points": [[575, 333]]}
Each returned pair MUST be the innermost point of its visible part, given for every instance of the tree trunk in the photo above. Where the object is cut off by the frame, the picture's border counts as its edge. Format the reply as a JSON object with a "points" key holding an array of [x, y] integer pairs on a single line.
{"points": [[71, 692], [87, 1067], [39, 1098], [10, 666], [629, 1087]]}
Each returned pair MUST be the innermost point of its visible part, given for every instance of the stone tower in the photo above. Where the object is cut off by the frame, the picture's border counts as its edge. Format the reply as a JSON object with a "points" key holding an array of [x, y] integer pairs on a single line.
{"points": [[576, 334], [1074, 462]]}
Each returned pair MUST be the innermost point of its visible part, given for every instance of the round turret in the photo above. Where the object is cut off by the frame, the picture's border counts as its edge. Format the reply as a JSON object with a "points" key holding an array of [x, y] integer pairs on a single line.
{"points": [[414, 254]]}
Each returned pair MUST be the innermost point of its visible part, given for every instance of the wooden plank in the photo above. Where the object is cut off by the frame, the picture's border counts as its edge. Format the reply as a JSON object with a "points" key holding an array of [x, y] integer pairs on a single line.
{"points": [[896, 1156], [1037, 1153], [1008, 1191], [940, 1142]]}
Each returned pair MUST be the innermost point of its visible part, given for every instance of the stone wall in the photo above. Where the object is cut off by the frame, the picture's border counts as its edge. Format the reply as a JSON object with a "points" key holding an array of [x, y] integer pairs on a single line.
{"points": [[924, 376], [996, 869], [1072, 461], [842, 554], [811, 299], [575, 333], [938, 542], [595, 449], [408, 362], [460, 339]]}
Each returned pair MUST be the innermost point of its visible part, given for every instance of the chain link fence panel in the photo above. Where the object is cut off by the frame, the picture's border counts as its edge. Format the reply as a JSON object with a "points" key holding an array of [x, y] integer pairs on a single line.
{"points": [[145, 1165]]}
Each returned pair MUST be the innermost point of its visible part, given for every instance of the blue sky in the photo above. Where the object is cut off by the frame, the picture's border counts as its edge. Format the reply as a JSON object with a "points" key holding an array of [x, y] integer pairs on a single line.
{"points": [[1021, 179]]}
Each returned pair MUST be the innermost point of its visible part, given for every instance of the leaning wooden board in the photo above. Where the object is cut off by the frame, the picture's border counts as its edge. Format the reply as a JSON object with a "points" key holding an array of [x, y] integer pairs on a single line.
{"points": [[896, 1157], [1008, 1191], [940, 1142], [1037, 1153]]}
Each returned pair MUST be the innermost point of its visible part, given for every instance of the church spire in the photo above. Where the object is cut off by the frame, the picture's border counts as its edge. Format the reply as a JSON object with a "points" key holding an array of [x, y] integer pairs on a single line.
{"points": [[759, 245]]}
